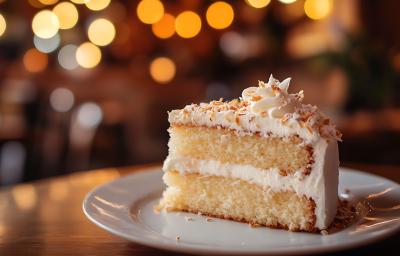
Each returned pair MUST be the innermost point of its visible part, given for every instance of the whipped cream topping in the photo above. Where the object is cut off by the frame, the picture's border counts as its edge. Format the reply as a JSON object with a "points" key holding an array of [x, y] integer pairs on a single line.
{"points": [[266, 109], [272, 98]]}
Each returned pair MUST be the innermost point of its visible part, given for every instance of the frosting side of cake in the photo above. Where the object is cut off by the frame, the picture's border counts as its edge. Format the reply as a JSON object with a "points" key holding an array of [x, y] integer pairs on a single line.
{"points": [[266, 109], [321, 185]]}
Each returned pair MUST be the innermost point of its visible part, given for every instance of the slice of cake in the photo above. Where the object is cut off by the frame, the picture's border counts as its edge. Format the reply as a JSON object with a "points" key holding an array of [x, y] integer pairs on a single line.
{"points": [[265, 159]]}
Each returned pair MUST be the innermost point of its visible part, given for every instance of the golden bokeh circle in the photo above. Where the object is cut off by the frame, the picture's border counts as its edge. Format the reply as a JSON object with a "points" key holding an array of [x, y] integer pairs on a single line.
{"points": [[150, 11], [318, 9], [45, 24], [101, 32], [219, 15], [88, 55], [67, 14], [164, 28], [162, 70], [187, 24], [258, 3]]}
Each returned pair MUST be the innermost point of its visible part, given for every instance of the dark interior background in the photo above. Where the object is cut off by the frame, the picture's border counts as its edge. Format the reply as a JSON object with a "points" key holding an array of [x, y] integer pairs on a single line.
{"points": [[58, 117]]}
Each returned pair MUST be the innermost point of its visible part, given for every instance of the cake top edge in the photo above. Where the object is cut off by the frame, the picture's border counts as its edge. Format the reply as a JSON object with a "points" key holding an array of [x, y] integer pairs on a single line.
{"points": [[258, 108]]}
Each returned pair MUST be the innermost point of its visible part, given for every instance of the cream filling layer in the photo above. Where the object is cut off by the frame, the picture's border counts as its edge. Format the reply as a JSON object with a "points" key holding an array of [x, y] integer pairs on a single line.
{"points": [[316, 186]]}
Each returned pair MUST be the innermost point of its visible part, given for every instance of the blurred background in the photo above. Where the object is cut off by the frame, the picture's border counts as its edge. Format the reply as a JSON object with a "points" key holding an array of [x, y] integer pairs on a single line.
{"points": [[86, 84]]}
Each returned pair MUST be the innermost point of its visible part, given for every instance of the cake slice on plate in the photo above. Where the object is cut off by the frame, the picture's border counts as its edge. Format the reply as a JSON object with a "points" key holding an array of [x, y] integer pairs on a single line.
{"points": [[265, 159]]}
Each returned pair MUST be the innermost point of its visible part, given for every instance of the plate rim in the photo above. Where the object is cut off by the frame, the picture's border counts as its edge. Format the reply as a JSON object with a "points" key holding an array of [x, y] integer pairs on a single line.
{"points": [[186, 248]]}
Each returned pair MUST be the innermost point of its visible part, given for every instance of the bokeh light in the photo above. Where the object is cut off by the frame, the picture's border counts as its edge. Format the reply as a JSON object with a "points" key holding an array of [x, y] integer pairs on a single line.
{"points": [[35, 61], [258, 3], [48, 2], [3, 25], [45, 24], [150, 11], [162, 70], [97, 5], [89, 115], [36, 3], [219, 15], [318, 9], [67, 14], [62, 100], [101, 32], [287, 1], [66, 57], [47, 45], [164, 28], [88, 55], [234, 45], [187, 24], [25, 196], [80, 1]]}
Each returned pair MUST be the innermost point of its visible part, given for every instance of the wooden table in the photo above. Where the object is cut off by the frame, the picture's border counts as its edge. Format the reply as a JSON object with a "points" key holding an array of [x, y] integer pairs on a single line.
{"points": [[46, 218]]}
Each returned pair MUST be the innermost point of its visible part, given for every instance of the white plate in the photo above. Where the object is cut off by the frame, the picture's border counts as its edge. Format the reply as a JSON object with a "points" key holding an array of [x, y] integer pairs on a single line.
{"points": [[124, 207]]}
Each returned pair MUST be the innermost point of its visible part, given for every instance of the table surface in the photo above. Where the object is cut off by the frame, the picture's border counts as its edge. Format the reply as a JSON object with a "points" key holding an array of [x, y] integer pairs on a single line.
{"points": [[46, 218]]}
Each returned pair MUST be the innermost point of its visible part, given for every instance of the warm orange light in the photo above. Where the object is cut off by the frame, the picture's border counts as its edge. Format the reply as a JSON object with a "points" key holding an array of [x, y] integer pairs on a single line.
{"points": [[24, 196], [3, 25], [36, 3], [58, 190], [67, 14], [88, 55], [318, 9], [150, 11], [164, 28], [101, 32], [258, 3], [187, 24], [162, 70], [48, 2], [80, 1], [219, 15], [45, 24], [2, 230], [287, 1], [97, 5], [35, 61]]}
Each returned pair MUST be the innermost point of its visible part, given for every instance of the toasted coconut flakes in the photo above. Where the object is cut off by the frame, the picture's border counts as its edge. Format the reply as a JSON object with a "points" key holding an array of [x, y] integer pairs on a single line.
{"points": [[237, 119]]}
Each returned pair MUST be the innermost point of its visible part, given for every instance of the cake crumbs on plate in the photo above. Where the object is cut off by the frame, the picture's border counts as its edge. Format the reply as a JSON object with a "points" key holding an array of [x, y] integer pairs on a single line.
{"points": [[188, 218], [345, 216], [177, 238], [254, 225], [209, 219]]}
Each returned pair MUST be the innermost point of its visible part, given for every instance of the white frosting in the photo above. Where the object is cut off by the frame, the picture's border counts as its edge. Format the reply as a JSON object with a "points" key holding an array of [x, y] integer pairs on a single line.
{"points": [[272, 98], [320, 185], [268, 108]]}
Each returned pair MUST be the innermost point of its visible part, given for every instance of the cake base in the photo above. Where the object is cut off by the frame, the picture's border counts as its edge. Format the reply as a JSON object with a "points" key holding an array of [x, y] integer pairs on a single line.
{"points": [[238, 200]]}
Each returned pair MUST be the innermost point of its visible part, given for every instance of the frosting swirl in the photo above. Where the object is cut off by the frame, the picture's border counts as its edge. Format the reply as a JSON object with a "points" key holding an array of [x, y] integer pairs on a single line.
{"points": [[272, 98]]}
